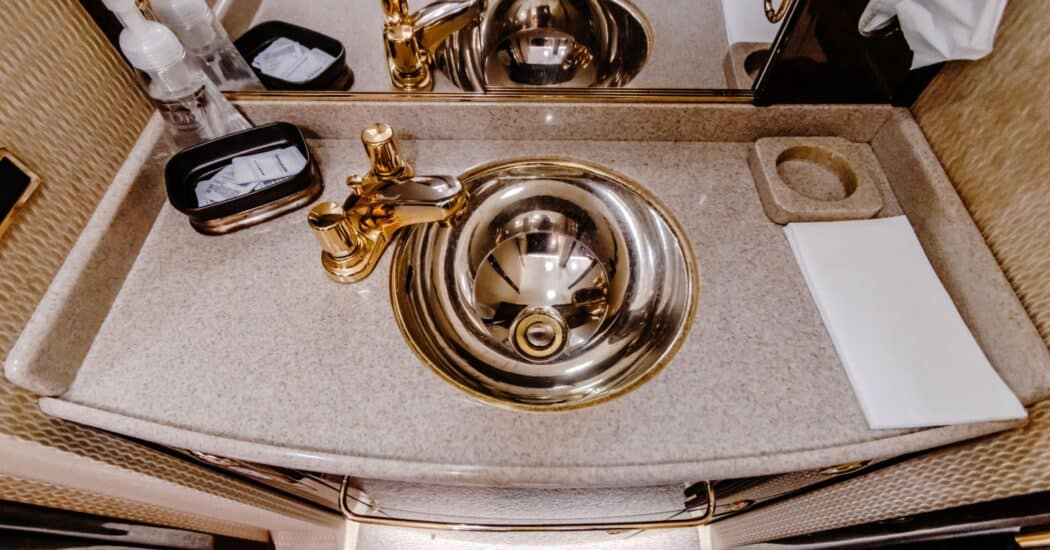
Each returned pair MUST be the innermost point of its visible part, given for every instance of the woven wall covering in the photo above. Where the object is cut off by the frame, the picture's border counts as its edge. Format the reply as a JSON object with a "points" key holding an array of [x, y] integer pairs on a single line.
{"points": [[71, 110], [20, 417], [989, 123], [65, 498], [1010, 464]]}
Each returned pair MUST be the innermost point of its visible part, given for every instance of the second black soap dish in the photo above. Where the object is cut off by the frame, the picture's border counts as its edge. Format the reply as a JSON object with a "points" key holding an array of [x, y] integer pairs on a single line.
{"points": [[191, 167], [337, 76]]}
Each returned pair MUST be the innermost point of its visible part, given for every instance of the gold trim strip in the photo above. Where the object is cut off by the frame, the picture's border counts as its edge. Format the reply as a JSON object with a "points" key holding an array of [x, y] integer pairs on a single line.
{"points": [[846, 468], [569, 95], [393, 521], [259, 214], [34, 183], [1039, 539]]}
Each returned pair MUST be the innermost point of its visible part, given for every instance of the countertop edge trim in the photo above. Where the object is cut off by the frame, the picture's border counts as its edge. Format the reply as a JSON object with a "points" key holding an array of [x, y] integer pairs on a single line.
{"points": [[523, 476], [26, 363]]}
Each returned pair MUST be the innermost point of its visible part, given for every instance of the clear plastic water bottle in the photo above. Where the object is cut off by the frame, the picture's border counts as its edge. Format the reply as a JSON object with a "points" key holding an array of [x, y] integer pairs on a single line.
{"points": [[205, 39], [194, 108]]}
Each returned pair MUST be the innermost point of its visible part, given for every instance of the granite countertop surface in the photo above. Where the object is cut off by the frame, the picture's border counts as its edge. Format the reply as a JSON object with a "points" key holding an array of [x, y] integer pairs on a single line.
{"points": [[239, 345], [688, 50]]}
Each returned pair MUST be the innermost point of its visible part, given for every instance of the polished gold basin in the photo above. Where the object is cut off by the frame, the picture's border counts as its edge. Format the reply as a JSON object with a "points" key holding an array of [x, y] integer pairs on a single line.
{"points": [[558, 285], [536, 284], [548, 43]]}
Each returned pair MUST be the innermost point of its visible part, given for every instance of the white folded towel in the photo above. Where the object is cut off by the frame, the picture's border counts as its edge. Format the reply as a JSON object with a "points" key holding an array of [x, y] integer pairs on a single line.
{"points": [[908, 354], [939, 30]]}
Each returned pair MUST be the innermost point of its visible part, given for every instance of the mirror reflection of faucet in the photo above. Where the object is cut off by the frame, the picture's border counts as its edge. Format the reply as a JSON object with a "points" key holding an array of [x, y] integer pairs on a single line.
{"points": [[412, 38]]}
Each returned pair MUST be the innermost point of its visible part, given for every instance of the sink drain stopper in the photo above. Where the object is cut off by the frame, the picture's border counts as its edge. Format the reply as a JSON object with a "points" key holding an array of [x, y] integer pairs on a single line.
{"points": [[539, 333]]}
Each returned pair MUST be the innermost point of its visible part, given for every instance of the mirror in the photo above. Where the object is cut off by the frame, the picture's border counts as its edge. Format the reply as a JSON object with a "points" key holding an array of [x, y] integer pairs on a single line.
{"points": [[711, 48]]}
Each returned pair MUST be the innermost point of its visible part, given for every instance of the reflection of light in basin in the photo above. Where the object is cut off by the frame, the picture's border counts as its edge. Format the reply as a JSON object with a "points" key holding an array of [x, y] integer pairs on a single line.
{"points": [[541, 270], [559, 285]]}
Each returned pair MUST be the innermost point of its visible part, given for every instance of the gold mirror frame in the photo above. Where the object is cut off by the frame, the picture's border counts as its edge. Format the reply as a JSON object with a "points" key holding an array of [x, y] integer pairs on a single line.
{"points": [[566, 95], [8, 218]]}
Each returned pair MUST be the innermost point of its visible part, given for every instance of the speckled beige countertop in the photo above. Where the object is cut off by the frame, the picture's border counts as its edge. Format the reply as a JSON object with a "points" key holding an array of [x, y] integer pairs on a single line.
{"points": [[238, 345], [688, 50]]}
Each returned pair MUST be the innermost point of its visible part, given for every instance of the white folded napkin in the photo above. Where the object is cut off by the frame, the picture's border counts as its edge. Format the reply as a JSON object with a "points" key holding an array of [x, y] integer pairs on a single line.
{"points": [[908, 354]]}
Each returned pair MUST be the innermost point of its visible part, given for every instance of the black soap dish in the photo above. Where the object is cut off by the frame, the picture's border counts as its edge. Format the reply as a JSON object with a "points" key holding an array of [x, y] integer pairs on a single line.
{"points": [[190, 166], [337, 76]]}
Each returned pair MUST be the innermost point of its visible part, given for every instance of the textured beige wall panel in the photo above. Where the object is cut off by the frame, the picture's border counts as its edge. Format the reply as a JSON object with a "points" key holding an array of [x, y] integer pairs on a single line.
{"points": [[1013, 463], [65, 498], [989, 123], [70, 109]]}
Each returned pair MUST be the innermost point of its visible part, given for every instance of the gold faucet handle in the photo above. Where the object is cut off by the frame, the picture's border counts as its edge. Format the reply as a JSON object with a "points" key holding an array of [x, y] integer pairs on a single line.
{"points": [[328, 221], [384, 152], [341, 250]]}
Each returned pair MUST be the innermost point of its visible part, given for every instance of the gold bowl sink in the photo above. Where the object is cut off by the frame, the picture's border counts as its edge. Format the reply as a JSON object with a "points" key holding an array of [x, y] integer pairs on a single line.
{"points": [[558, 285]]}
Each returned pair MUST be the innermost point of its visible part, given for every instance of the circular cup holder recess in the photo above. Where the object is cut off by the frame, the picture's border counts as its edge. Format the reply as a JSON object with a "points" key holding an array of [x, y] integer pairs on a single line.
{"points": [[817, 173]]}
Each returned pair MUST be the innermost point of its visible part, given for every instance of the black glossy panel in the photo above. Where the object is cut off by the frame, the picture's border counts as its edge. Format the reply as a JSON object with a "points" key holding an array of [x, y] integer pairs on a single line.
{"points": [[822, 58]]}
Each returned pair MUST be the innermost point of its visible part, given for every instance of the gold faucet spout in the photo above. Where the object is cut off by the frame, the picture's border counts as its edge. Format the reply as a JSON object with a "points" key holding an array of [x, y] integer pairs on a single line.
{"points": [[382, 202], [435, 22], [398, 203]]}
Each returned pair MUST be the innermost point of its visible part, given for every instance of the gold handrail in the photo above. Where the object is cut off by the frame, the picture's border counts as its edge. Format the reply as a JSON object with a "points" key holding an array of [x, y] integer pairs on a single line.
{"points": [[394, 521], [1038, 539], [775, 15]]}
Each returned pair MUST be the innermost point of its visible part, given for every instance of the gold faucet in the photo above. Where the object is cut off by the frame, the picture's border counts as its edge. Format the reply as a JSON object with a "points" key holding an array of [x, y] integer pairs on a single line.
{"points": [[390, 196], [412, 38]]}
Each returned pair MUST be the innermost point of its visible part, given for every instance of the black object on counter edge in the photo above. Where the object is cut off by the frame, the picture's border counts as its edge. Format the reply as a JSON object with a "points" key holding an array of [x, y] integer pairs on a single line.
{"points": [[337, 76], [821, 57]]}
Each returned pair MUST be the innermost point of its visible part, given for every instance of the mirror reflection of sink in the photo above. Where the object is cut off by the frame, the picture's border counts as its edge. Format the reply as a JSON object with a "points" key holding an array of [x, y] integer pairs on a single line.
{"points": [[549, 43], [559, 285]]}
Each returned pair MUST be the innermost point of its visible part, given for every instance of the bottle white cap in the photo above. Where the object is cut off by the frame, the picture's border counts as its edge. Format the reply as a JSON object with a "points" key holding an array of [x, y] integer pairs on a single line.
{"points": [[180, 13], [148, 45], [190, 19]]}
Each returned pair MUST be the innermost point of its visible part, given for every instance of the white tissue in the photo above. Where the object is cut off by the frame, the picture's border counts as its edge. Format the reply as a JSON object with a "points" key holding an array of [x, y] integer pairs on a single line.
{"points": [[291, 61], [939, 30], [249, 173]]}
